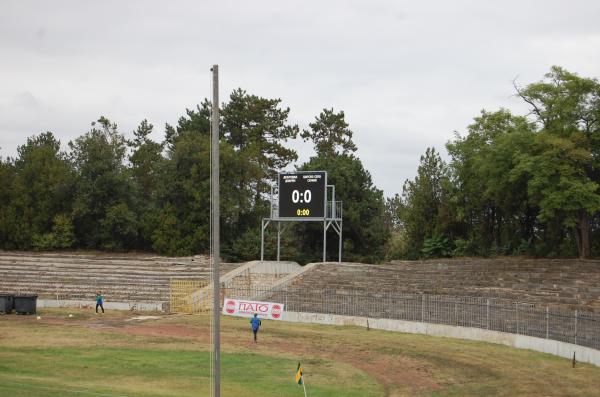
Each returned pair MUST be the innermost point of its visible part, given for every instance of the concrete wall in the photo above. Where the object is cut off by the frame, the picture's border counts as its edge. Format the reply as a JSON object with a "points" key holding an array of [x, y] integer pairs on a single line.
{"points": [[259, 274], [273, 267], [561, 349], [86, 304]]}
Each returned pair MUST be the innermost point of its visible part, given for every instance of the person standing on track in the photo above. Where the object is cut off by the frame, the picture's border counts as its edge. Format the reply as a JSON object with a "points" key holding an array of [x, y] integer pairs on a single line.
{"points": [[99, 301], [256, 323]]}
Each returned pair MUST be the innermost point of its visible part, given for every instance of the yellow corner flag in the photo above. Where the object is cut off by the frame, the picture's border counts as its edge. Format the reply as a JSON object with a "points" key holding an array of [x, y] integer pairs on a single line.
{"points": [[299, 374]]}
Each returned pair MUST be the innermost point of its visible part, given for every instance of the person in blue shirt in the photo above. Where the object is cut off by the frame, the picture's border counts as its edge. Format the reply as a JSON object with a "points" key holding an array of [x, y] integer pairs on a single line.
{"points": [[255, 322], [99, 301]]}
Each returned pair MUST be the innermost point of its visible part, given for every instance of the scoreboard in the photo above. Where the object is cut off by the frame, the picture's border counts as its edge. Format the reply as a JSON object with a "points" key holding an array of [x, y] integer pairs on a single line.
{"points": [[302, 194]]}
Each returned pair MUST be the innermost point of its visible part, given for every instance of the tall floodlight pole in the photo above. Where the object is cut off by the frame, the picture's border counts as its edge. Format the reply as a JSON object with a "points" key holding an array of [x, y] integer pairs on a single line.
{"points": [[215, 226]]}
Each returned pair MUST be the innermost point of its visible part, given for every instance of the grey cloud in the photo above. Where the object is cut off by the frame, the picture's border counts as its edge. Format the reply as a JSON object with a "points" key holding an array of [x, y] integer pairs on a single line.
{"points": [[27, 101]]}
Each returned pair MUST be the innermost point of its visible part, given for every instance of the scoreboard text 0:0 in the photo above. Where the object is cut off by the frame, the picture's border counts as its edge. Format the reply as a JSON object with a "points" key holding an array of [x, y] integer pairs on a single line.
{"points": [[302, 194]]}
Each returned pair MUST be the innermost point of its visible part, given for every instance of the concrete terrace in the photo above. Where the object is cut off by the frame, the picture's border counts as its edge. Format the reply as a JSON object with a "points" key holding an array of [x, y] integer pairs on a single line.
{"points": [[569, 284], [120, 277]]}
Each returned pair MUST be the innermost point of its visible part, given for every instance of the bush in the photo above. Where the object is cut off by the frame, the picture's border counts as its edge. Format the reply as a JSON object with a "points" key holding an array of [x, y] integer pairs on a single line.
{"points": [[462, 248], [61, 237], [437, 246], [397, 247]]}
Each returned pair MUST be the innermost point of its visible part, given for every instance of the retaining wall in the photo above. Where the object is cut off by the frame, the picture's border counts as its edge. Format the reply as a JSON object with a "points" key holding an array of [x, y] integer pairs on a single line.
{"points": [[86, 304], [561, 349]]}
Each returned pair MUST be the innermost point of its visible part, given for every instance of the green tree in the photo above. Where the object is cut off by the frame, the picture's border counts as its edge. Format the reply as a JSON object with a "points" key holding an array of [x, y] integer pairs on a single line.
{"points": [[394, 207], [119, 228], [61, 237], [146, 159], [182, 221], [104, 189], [565, 168], [41, 188], [63, 232], [8, 219], [167, 238], [256, 130], [491, 206], [364, 230], [560, 185], [397, 246], [259, 126], [422, 199], [147, 163], [330, 134], [198, 120]]}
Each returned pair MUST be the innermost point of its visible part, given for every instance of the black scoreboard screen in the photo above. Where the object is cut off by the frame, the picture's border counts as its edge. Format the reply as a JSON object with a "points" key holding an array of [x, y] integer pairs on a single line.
{"points": [[302, 194]]}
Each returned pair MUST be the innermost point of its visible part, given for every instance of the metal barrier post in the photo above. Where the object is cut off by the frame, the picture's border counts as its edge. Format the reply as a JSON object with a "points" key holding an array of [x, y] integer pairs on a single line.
{"points": [[517, 315], [488, 314], [455, 313], [547, 322], [575, 326]]}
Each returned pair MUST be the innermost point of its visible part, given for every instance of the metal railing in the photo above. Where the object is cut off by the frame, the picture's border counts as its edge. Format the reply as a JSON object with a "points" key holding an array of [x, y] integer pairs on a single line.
{"points": [[572, 326], [334, 210]]}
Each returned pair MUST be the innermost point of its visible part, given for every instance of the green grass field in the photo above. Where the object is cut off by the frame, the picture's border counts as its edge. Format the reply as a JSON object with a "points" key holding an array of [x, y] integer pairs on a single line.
{"points": [[112, 355]]}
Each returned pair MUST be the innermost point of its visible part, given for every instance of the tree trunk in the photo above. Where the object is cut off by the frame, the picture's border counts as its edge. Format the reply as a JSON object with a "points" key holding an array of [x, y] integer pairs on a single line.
{"points": [[583, 234]]}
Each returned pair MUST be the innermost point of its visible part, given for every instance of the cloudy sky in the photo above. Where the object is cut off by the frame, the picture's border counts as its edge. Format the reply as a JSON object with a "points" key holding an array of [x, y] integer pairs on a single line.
{"points": [[407, 73]]}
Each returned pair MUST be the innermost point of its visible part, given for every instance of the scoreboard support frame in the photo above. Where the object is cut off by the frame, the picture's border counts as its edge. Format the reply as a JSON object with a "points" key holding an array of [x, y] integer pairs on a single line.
{"points": [[332, 219]]}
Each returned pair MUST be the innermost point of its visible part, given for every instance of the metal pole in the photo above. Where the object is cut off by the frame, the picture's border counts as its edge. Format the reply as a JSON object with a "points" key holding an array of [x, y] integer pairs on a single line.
{"points": [[216, 248], [324, 240], [262, 240], [340, 245], [303, 384], [278, 239], [333, 209]]}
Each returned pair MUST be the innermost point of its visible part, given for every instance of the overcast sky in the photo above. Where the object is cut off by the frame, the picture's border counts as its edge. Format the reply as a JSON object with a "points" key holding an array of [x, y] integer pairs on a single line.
{"points": [[407, 73]]}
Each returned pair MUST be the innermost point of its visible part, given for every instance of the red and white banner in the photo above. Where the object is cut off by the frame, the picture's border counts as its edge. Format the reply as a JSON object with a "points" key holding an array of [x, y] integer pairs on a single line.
{"points": [[244, 308]]}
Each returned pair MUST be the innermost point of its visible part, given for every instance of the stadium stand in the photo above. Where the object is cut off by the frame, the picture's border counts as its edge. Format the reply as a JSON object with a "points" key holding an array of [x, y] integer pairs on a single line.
{"points": [[124, 277], [568, 284]]}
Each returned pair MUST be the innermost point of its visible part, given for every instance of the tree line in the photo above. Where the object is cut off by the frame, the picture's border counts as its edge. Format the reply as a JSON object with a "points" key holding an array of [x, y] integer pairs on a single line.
{"points": [[512, 184], [110, 193]]}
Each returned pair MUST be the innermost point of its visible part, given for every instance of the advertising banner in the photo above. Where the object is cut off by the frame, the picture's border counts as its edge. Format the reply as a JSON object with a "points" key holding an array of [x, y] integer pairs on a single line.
{"points": [[246, 308]]}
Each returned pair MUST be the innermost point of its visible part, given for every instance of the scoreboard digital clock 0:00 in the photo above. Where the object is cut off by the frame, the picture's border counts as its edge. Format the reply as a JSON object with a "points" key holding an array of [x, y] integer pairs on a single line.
{"points": [[302, 194]]}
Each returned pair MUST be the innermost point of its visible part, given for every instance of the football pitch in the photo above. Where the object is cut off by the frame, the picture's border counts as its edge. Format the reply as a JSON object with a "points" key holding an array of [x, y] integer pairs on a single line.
{"points": [[123, 354]]}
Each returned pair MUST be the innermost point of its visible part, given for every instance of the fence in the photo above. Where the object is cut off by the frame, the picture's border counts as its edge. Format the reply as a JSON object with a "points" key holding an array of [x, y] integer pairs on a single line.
{"points": [[577, 327], [180, 297]]}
